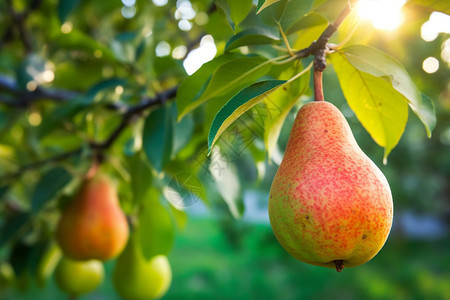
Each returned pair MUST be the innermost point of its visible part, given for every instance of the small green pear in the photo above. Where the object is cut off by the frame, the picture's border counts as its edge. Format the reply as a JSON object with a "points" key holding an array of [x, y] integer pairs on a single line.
{"points": [[76, 277], [329, 203], [136, 278]]}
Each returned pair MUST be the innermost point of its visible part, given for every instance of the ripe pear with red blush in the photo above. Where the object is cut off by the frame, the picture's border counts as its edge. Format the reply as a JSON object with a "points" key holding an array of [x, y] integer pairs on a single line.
{"points": [[93, 225], [329, 203]]}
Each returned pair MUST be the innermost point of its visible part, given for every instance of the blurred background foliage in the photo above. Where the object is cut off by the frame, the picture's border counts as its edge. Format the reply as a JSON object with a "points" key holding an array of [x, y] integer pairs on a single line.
{"points": [[70, 69]]}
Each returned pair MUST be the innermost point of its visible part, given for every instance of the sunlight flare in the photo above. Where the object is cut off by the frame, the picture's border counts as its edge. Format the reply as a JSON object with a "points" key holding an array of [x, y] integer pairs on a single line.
{"points": [[384, 14]]}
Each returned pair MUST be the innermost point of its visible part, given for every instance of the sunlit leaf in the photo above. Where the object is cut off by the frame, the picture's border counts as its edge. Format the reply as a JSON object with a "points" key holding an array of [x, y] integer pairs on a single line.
{"points": [[381, 109], [193, 86], [431, 5], [304, 37], [238, 105], [312, 19], [330, 9], [48, 187], [377, 63], [180, 217], [287, 12], [233, 76], [262, 4]]}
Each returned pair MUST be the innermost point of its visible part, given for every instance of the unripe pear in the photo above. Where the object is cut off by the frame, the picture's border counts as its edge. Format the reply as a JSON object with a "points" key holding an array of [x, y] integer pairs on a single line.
{"points": [[329, 203], [138, 278], [76, 277], [93, 225]]}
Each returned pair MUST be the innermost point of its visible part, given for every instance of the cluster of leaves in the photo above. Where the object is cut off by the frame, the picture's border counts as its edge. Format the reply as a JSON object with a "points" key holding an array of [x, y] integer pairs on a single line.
{"points": [[105, 101]]}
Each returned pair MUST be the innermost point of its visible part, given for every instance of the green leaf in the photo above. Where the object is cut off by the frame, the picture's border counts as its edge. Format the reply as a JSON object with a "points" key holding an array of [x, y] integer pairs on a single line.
{"points": [[183, 133], [239, 9], [431, 5], [140, 175], [262, 4], [279, 104], [312, 19], [225, 11], [156, 230], [3, 190], [158, 136], [227, 183], [184, 188], [238, 105], [381, 109], [304, 37], [103, 85], [180, 217], [232, 76], [60, 114], [193, 86], [378, 63], [287, 12], [48, 187], [330, 9], [11, 226], [65, 7], [427, 112], [252, 36], [78, 40]]}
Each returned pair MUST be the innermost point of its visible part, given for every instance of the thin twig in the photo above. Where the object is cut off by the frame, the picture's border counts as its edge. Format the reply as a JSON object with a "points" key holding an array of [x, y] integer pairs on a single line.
{"points": [[322, 41]]}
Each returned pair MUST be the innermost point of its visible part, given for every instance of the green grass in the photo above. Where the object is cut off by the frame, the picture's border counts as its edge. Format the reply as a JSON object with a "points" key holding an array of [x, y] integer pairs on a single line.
{"points": [[225, 259], [206, 265]]}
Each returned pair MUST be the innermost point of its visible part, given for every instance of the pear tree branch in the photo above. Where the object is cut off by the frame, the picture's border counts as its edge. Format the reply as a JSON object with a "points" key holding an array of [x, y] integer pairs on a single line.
{"points": [[98, 147], [318, 49]]}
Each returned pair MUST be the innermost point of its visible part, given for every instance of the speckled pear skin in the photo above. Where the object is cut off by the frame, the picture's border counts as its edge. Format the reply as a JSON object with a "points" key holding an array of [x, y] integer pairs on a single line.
{"points": [[328, 201]]}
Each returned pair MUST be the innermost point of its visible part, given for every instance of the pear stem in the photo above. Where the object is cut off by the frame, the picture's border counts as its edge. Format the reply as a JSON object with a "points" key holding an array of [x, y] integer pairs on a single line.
{"points": [[318, 89], [92, 170], [339, 265]]}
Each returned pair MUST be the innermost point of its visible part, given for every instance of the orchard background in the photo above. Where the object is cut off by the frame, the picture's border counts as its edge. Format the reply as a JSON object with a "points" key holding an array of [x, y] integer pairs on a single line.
{"points": [[138, 87]]}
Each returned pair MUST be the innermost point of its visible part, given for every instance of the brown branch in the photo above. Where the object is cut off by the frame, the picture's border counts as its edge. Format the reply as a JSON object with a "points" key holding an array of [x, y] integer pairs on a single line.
{"points": [[99, 147], [35, 165], [23, 98], [320, 47]]}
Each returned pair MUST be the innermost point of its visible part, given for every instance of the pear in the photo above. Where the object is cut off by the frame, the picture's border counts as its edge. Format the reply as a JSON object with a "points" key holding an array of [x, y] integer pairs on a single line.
{"points": [[329, 203], [93, 225], [136, 278], [78, 277]]}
